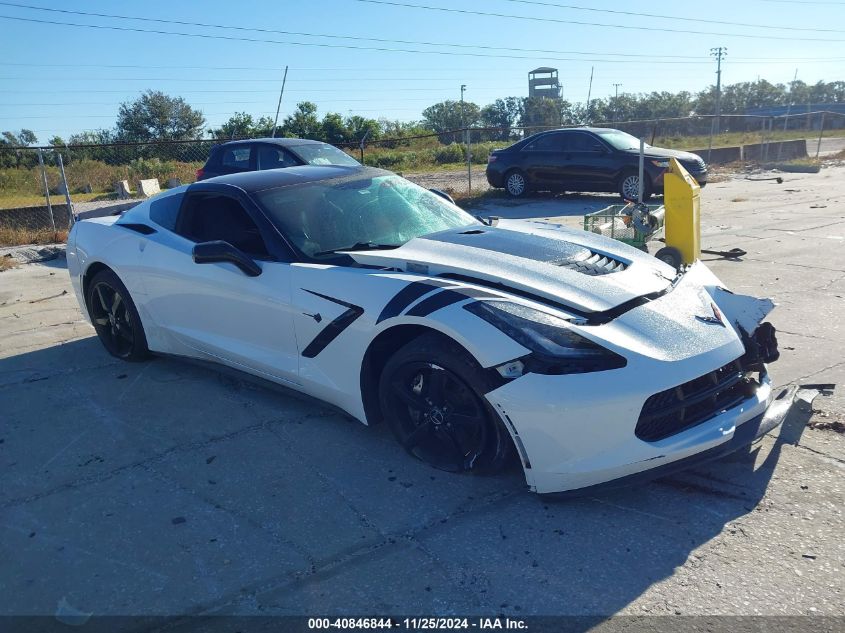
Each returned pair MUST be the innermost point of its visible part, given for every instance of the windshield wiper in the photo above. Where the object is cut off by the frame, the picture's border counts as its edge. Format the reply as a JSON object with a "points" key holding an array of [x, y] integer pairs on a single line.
{"points": [[359, 246]]}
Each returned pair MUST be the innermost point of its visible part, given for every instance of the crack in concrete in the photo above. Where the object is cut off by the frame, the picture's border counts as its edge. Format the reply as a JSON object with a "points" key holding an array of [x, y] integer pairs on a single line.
{"points": [[362, 556], [817, 338], [141, 463], [838, 460], [51, 374], [786, 263], [362, 518], [232, 512], [817, 372]]}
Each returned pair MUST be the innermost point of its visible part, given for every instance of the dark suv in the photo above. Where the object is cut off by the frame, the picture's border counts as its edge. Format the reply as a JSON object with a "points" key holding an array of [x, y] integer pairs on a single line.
{"points": [[585, 159], [271, 153]]}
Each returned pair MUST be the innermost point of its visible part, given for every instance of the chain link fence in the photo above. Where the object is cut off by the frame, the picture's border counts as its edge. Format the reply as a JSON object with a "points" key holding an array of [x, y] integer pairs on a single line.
{"points": [[41, 187]]}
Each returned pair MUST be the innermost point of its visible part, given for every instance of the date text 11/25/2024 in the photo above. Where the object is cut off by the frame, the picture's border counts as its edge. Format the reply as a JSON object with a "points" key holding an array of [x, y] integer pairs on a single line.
{"points": [[420, 623]]}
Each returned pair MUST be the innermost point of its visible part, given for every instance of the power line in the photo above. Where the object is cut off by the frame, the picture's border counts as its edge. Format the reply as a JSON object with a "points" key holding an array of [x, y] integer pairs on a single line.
{"points": [[342, 91], [207, 103], [325, 35], [804, 2], [205, 114], [787, 60], [109, 116], [384, 49], [512, 16], [239, 80], [231, 38], [671, 17]]}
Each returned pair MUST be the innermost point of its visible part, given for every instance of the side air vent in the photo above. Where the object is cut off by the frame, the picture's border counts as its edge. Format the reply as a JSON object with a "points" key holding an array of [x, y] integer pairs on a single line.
{"points": [[595, 264], [138, 228]]}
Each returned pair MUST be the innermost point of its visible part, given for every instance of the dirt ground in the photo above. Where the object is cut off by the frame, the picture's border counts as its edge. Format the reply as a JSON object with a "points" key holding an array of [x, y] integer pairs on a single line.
{"points": [[166, 487]]}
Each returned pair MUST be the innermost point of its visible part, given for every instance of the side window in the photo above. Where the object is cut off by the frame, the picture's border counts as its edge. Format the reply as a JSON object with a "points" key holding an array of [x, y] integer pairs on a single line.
{"points": [[546, 143], [236, 157], [209, 217], [164, 209], [270, 157], [581, 142]]}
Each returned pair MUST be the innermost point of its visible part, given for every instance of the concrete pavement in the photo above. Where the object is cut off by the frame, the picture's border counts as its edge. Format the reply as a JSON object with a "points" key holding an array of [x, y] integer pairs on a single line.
{"points": [[168, 488]]}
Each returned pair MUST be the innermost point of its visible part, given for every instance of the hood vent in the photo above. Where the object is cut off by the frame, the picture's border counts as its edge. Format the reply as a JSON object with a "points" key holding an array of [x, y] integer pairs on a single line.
{"points": [[539, 248], [595, 264]]}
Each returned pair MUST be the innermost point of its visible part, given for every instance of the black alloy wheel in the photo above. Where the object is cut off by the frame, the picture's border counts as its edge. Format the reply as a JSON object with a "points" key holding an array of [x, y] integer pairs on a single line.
{"points": [[431, 402], [115, 318]]}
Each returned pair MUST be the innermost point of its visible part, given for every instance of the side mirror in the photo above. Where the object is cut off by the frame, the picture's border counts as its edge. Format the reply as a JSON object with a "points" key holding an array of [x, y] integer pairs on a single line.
{"points": [[442, 194], [220, 251]]}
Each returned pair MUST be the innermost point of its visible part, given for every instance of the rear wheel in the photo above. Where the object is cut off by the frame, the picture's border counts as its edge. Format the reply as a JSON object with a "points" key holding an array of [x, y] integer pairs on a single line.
{"points": [[115, 317], [629, 186], [431, 395], [516, 184]]}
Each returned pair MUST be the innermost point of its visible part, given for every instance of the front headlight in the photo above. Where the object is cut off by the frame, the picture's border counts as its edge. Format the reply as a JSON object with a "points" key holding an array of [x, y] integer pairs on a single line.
{"points": [[555, 347], [660, 163]]}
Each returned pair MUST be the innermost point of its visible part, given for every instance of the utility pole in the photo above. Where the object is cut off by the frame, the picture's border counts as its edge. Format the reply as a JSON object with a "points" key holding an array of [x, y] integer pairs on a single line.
{"points": [[279, 107], [466, 140], [788, 108], [616, 102], [718, 53]]}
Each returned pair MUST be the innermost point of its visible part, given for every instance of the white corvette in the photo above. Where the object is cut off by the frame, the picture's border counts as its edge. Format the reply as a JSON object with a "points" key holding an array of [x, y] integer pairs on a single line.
{"points": [[589, 360]]}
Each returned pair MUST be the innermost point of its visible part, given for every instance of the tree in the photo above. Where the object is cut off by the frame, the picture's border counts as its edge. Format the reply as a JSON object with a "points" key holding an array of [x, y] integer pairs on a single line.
{"points": [[156, 116], [303, 123], [541, 112], [92, 137], [502, 113], [242, 125], [358, 126], [333, 129], [17, 158], [451, 115], [24, 137]]}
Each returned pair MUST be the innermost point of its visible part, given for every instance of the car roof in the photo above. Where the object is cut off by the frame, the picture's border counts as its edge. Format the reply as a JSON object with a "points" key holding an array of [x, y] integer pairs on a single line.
{"points": [[583, 128], [282, 142], [253, 181]]}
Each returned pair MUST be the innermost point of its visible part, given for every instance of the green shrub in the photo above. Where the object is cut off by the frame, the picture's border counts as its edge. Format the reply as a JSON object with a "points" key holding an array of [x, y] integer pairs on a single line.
{"points": [[453, 153]]}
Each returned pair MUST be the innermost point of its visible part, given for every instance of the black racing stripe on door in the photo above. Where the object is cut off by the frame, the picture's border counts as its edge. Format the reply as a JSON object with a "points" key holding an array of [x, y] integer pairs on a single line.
{"points": [[407, 296], [446, 298], [333, 329]]}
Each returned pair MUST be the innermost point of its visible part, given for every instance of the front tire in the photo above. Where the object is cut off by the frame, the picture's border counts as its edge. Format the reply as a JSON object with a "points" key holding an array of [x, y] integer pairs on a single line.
{"points": [[516, 183], [629, 187], [115, 318], [431, 395]]}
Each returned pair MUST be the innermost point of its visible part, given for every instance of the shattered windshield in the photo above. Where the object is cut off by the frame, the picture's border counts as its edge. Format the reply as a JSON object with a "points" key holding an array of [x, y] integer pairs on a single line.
{"points": [[386, 211]]}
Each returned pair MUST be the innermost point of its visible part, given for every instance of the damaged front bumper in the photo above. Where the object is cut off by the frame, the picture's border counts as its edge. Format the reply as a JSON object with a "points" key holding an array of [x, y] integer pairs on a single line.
{"points": [[576, 433], [744, 436]]}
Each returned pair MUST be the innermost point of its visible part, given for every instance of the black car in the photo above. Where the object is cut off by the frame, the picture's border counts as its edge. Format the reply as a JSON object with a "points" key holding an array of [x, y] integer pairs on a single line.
{"points": [[271, 153], [585, 159]]}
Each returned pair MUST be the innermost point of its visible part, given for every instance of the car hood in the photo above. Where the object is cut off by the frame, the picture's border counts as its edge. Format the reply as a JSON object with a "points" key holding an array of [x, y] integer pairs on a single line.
{"points": [[584, 271], [659, 152]]}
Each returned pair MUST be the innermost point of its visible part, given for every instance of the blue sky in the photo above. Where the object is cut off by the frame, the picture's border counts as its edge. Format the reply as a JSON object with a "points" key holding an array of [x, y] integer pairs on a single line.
{"points": [[59, 79]]}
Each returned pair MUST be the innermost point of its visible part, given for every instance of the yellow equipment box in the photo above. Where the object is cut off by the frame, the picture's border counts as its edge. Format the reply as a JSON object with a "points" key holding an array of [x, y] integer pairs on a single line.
{"points": [[682, 199]]}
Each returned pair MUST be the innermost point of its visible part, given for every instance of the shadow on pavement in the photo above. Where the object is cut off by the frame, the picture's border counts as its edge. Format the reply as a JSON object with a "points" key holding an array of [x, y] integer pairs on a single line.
{"points": [[179, 488]]}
